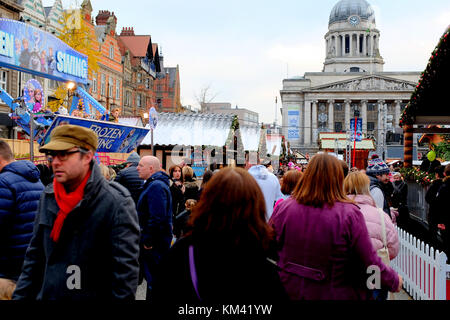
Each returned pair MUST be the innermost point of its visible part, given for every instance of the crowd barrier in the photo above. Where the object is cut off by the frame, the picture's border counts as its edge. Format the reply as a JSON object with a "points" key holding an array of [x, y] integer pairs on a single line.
{"points": [[423, 269]]}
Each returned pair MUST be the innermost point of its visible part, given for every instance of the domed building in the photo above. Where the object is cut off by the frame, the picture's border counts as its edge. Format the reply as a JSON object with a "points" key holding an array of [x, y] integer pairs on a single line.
{"points": [[352, 82]]}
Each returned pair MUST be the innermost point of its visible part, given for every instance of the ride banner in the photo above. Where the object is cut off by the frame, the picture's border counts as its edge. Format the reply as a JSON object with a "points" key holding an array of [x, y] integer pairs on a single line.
{"points": [[359, 132], [112, 137], [31, 50]]}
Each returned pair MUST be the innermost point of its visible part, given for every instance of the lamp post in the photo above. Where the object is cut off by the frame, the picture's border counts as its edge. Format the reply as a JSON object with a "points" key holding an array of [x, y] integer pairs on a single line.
{"points": [[356, 115]]}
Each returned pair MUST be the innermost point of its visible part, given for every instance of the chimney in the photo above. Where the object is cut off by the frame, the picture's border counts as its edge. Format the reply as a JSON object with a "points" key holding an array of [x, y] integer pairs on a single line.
{"points": [[103, 16], [127, 32]]}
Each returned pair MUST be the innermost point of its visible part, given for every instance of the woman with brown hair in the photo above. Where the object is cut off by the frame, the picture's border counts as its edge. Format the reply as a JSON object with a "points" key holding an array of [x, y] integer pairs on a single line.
{"points": [[177, 189], [288, 184], [223, 258], [323, 244]]}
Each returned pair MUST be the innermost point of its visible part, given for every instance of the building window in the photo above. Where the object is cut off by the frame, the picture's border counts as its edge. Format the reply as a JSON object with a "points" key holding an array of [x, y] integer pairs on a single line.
{"points": [[111, 51], [371, 106], [354, 69], [139, 101], [139, 78], [147, 83], [111, 87], [370, 126], [128, 98], [3, 79], [117, 89], [159, 102], [338, 126], [102, 85], [338, 107], [94, 83]]}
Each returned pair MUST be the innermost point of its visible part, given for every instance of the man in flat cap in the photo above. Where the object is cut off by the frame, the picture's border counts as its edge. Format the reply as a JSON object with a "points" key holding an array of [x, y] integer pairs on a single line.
{"points": [[85, 242]]}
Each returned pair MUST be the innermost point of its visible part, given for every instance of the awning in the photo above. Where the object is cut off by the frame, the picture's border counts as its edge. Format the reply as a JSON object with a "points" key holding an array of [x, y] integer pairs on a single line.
{"points": [[366, 144]]}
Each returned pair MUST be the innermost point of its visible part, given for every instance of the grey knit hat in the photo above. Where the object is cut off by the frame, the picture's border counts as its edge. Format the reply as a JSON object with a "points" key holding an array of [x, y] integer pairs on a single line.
{"points": [[377, 167], [133, 158]]}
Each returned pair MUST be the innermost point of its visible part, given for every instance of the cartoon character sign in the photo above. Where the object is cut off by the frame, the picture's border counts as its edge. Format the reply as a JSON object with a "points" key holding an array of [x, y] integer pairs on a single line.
{"points": [[34, 96]]}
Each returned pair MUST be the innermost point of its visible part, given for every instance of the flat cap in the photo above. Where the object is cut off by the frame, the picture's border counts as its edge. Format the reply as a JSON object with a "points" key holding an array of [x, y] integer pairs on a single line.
{"points": [[67, 136]]}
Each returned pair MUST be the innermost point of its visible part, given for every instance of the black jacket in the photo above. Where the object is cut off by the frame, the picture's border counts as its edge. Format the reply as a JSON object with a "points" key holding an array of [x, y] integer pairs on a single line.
{"points": [[375, 183], [225, 274], [129, 178], [100, 238], [191, 190], [400, 194], [434, 216], [177, 199], [442, 204]]}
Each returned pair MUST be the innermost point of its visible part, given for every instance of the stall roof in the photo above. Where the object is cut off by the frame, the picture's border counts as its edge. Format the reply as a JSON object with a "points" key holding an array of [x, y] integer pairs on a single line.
{"points": [[131, 121], [365, 144], [250, 136], [190, 129]]}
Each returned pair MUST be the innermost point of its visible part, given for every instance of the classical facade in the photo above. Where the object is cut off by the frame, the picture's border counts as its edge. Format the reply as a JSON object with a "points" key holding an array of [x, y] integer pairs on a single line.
{"points": [[352, 83]]}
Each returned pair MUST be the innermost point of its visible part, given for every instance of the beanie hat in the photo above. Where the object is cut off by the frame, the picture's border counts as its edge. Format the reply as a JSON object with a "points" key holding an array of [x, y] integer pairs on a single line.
{"points": [[377, 167], [133, 158]]}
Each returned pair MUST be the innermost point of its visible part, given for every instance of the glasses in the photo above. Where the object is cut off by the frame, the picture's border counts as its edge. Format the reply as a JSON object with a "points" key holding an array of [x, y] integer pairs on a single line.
{"points": [[63, 155]]}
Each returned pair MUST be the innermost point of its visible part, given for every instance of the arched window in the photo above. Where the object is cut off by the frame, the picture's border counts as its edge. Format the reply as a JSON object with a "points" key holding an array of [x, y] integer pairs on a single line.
{"points": [[354, 69]]}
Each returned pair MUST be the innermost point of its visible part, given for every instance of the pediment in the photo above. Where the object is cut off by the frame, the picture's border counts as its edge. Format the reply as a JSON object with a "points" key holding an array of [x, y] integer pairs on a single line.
{"points": [[368, 83]]}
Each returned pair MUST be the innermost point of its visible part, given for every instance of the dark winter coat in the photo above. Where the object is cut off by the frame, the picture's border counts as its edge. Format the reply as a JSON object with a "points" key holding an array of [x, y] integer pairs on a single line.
{"points": [[180, 223], [129, 178], [191, 190], [442, 204], [225, 274], [177, 199], [155, 213], [100, 238], [431, 198], [20, 190]]}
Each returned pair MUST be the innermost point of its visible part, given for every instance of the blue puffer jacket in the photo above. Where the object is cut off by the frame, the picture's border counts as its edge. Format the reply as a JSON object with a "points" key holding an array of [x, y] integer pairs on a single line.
{"points": [[20, 191]]}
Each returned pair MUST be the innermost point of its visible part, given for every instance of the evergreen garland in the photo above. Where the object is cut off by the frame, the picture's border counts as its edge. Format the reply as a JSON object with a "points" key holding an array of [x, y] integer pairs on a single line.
{"points": [[434, 77]]}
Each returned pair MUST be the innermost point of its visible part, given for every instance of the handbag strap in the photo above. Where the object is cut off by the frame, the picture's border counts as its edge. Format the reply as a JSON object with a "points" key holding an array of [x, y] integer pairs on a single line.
{"points": [[193, 271], [383, 226]]}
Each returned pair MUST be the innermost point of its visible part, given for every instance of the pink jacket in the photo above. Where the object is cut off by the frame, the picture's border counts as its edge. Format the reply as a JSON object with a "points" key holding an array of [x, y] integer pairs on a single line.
{"points": [[373, 223]]}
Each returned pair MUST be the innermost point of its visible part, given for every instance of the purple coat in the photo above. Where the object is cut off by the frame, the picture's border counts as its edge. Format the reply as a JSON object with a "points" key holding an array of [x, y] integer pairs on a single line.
{"points": [[324, 253]]}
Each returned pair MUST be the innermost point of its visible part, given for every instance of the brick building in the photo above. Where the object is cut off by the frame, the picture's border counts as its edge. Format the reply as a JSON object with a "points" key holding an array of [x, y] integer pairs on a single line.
{"points": [[141, 61], [167, 90]]}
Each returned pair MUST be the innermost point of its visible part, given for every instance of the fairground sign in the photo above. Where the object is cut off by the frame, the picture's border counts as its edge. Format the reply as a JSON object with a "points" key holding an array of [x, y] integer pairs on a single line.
{"points": [[112, 137], [28, 49]]}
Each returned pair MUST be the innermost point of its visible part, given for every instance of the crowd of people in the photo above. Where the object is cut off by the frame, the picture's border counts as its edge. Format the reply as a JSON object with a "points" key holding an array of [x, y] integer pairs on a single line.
{"points": [[242, 234]]}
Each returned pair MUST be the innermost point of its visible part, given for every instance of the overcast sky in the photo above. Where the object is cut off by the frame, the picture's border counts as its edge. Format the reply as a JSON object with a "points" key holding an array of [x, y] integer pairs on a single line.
{"points": [[243, 49]]}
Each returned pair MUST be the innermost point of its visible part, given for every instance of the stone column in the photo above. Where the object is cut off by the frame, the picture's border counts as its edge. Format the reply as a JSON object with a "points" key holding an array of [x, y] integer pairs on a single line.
{"points": [[371, 46], [314, 122], [331, 115], [347, 114], [351, 44], [343, 45], [398, 113], [358, 39], [364, 115], [307, 124], [364, 45], [380, 132]]}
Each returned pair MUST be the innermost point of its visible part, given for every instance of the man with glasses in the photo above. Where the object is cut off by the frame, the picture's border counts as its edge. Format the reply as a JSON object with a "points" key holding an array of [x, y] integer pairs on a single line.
{"points": [[85, 242]]}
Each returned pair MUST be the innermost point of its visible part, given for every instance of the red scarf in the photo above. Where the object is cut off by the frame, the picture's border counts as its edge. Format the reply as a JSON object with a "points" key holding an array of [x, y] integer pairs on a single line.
{"points": [[66, 202]]}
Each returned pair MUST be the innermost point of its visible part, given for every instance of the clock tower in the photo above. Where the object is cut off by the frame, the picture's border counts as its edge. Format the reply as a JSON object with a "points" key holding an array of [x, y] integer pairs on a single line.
{"points": [[352, 40]]}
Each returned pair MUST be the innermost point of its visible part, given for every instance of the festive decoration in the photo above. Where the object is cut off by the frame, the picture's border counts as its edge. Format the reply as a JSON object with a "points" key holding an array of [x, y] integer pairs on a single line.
{"points": [[432, 84], [417, 176]]}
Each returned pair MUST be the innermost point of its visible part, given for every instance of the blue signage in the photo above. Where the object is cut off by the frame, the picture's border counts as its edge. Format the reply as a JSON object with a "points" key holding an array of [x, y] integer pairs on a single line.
{"points": [[293, 123], [112, 137], [28, 49], [358, 130]]}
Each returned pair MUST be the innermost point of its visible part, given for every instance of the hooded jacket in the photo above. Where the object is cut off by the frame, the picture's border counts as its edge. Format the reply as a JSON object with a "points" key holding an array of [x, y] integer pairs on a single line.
{"points": [[20, 190], [129, 178], [155, 212], [377, 188], [373, 223], [99, 245]]}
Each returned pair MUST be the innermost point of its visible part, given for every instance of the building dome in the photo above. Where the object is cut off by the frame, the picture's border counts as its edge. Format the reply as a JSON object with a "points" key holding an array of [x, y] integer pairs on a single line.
{"points": [[344, 9]]}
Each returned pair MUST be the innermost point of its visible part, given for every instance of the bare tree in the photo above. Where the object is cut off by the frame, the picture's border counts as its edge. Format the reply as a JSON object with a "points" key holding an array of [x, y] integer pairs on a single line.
{"points": [[205, 96]]}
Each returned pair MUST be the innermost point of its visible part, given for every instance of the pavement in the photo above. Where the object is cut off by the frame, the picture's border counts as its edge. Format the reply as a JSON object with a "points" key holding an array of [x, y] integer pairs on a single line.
{"points": [[141, 293]]}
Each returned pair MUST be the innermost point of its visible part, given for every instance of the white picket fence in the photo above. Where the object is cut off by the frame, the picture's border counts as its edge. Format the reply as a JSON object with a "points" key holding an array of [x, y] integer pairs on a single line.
{"points": [[422, 268]]}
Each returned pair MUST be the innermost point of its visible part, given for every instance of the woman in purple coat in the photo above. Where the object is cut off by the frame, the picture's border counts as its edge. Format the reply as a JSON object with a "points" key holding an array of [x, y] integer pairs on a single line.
{"points": [[324, 248]]}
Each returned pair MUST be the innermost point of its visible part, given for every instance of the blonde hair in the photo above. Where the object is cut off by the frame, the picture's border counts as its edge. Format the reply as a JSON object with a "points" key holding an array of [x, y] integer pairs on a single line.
{"points": [[104, 170], [357, 183], [188, 173]]}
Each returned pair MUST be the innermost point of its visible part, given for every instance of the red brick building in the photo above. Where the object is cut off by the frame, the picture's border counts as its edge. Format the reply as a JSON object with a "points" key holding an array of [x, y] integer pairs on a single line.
{"points": [[167, 90], [141, 66]]}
